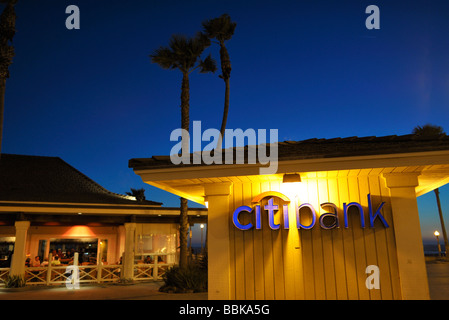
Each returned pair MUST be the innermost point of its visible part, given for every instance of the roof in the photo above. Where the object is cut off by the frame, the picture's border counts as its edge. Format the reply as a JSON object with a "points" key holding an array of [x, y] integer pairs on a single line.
{"points": [[50, 179], [326, 148]]}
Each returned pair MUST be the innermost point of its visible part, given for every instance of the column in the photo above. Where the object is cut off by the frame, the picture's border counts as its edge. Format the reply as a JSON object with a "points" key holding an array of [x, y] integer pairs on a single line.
{"points": [[217, 194], [407, 230], [19, 257], [128, 257]]}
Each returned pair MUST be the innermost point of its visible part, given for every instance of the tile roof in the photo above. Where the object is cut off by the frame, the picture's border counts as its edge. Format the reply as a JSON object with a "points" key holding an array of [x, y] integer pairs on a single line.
{"points": [[327, 148], [50, 179]]}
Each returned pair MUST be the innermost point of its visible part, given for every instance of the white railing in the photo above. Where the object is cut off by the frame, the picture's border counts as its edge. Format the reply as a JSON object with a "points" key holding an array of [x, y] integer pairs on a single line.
{"points": [[4, 272], [60, 274], [156, 270]]}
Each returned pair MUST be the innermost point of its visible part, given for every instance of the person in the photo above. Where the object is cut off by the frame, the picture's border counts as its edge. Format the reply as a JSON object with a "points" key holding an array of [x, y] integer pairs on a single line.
{"points": [[148, 260], [44, 263], [56, 262], [70, 253], [27, 262], [36, 262]]}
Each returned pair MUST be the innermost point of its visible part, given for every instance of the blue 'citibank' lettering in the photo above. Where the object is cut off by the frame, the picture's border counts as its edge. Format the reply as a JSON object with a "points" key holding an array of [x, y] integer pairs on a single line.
{"points": [[332, 213]]}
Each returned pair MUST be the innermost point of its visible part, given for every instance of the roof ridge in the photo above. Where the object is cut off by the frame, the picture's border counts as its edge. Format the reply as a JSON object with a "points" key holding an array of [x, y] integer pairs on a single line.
{"points": [[321, 147], [90, 180], [121, 196], [28, 156], [53, 178]]}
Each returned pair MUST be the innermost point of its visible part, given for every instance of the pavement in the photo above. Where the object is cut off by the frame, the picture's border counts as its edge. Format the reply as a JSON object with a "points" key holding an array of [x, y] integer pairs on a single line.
{"points": [[113, 291], [437, 272], [438, 277]]}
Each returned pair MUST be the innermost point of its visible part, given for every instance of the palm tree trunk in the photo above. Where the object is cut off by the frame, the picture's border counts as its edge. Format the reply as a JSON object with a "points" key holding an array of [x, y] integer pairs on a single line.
{"points": [[446, 246], [183, 219], [225, 114], [2, 109], [185, 102], [226, 74], [183, 233]]}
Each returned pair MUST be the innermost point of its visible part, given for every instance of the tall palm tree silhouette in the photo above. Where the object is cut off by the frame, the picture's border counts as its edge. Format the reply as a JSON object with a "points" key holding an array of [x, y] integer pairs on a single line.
{"points": [[222, 29], [183, 53], [7, 31]]}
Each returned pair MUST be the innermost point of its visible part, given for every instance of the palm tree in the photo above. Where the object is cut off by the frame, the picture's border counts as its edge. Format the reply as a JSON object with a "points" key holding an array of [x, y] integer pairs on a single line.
{"points": [[184, 53], [433, 131], [7, 31], [222, 29], [139, 194]]}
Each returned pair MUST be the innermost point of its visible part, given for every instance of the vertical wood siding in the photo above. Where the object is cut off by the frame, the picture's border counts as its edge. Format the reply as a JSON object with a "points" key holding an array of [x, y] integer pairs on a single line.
{"points": [[316, 263]]}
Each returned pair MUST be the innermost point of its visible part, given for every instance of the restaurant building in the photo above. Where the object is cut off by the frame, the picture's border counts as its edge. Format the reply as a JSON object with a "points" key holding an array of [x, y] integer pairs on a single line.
{"points": [[349, 230], [49, 207]]}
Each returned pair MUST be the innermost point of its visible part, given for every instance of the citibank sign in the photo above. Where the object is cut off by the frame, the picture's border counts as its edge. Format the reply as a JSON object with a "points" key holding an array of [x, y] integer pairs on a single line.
{"points": [[327, 220]]}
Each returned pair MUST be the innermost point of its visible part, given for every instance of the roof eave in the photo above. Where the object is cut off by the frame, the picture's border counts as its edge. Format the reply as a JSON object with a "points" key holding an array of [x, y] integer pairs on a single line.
{"points": [[294, 165]]}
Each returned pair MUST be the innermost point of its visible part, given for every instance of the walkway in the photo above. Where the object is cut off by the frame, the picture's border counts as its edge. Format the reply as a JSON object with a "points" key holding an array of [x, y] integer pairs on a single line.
{"points": [[137, 291], [438, 275]]}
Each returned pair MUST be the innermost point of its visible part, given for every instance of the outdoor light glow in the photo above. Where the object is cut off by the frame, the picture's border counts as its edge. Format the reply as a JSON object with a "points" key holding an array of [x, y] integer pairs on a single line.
{"points": [[79, 231], [292, 185], [292, 189], [436, 233], [202, 226]]}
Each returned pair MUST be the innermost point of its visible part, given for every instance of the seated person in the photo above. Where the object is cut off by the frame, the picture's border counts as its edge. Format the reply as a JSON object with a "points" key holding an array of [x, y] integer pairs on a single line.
{"points": [[36, 262], [148, 260], [44, 263], [56, 261]]}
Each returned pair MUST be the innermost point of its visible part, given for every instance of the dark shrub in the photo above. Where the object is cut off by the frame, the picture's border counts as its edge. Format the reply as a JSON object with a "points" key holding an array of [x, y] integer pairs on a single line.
{"points": [[190, 279]]}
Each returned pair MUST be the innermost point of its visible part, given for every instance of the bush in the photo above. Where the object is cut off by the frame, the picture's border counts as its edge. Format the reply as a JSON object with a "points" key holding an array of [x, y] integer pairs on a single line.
{"points": [[15, 281], [190, 279]]}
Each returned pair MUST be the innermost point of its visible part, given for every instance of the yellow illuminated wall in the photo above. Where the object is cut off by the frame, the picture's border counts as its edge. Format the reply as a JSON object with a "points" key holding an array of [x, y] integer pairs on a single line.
{"points": [[316, 263]]}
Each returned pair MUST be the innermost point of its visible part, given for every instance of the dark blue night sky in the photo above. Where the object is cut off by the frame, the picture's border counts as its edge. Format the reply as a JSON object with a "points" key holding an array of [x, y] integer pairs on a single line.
{"points": [[308, 68]]}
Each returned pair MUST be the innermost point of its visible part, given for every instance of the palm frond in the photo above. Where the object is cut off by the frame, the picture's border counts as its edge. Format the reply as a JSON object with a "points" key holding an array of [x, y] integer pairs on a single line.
{"points": [[208, 65], [429, 130], [184, 53], [221, 28], [164, 57]]}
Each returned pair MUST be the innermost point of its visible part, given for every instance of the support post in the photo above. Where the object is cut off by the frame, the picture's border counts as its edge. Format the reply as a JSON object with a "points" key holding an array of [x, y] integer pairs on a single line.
{"points": [[155, 268], [128, 257], [218, 247], [19, 257], [407, 230], [99, 263], [49, 271]]}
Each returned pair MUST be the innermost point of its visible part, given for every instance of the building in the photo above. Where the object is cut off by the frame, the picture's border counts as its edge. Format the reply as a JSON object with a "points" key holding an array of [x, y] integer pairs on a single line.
{"points": [[349, 230], [47, 206]]}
